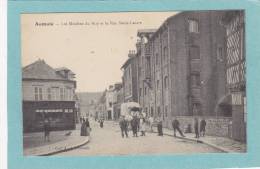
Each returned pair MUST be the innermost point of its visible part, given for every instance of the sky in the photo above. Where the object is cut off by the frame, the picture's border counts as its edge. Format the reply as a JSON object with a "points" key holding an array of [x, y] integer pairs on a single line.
{"points": [[93, 45]]}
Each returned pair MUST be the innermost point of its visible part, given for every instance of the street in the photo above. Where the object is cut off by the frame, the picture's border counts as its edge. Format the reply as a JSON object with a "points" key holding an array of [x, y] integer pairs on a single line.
{"points": [[108, 141]]}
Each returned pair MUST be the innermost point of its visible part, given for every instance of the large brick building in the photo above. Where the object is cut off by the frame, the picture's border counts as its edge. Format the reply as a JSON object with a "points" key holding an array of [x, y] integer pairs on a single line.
{"points": [[185, 66], [48, 93], [193, 65]]}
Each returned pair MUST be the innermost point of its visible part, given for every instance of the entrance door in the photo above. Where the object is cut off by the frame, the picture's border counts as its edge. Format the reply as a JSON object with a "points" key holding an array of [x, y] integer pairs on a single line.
{"points": [[109, 115]]}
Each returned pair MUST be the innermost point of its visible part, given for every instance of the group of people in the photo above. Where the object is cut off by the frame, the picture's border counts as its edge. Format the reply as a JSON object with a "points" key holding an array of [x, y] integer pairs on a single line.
{"points": [[139, 124], [199, 128], [85, 127], [136, 123]]}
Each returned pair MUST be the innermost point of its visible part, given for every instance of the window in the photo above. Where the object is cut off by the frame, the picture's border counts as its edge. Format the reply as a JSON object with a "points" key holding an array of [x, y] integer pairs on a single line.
{"points": [[61, 94], [55, 91], [157, 59], [152, 111], [194, 52], [49, 93], [166, 111], [193, 26], [110, 104], [196, 109], [159, 111], [36, 93], [157, 84], [166, 82], [65, 94], [140, 92], [145, 91], [165, 53], [40, 94], [195, 79], [220, 54]]}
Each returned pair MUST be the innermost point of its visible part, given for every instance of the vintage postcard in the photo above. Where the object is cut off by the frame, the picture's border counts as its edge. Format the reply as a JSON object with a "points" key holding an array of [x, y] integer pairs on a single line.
{"points": [[168, 84]]}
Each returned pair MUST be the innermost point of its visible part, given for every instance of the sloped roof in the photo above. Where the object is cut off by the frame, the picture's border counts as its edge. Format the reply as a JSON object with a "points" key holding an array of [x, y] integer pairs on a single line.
{"points": [[41, 70]]}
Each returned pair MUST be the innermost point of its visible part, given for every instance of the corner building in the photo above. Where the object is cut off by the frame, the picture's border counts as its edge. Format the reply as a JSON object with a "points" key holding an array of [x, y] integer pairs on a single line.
{"points": [[185, 67]]}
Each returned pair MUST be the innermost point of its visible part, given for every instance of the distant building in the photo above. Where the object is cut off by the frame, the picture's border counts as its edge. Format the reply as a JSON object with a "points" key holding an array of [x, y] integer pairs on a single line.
{"points": [[101, 110], [118, 100], [48, 93], [130, 83], [112, 101]]}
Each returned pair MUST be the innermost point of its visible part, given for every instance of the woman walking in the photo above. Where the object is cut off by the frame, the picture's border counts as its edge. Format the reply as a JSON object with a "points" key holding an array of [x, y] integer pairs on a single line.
{"points": [[142, 126], [83, 129]]}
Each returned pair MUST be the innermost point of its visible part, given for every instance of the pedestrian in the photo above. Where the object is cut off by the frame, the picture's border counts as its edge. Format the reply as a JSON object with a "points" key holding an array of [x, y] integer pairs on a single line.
{"points": [[196, 127], [47, 129], [160, 128], [88, 127], [151, 121], [83, 129], [203, 127], [101, 123], [134, 124], [123, 126], [176, 126], [142, 126]]}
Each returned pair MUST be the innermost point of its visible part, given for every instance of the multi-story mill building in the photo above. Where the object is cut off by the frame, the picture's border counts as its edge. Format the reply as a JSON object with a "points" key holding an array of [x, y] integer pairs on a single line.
{"points": [[193, 65], [184, 66]]}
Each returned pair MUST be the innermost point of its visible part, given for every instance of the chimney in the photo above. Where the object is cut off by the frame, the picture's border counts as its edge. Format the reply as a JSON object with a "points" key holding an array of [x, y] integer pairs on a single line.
{"points": [[131, 53], [138, 45]]}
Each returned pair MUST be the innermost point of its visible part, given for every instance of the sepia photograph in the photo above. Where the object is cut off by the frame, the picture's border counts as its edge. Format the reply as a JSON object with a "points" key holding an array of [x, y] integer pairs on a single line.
{"points": [[133, 83]]}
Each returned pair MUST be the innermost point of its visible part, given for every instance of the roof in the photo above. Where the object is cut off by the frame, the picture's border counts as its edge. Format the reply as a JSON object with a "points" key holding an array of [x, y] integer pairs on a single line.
{"points": [[64, 69], [145, 31], [40, 70], [127, 62]]}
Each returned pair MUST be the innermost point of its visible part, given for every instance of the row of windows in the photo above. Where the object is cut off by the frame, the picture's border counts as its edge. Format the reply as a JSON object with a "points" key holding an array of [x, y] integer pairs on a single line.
{"points": [[166, 86], [53, 93]]}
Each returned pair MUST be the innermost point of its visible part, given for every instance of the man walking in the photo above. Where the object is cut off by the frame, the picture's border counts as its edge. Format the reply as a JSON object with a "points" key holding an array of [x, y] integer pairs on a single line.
{"points": [[46, 128], [134, 123], [123, 127], [196, 127], [203, 127], [176, 126], [160, 128]]}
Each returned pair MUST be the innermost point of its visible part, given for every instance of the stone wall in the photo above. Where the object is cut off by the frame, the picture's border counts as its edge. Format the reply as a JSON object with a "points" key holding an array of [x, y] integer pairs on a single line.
{"points": [[216, 126]]}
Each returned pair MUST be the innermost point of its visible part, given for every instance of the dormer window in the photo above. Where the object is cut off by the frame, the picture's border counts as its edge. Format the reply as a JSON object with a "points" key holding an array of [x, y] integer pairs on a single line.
{"points": [[193, 26]]}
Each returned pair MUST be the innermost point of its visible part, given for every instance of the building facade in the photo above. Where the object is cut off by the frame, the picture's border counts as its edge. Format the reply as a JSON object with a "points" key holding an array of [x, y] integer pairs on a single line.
{"points": [[234, 22], [130, 83], [182, 67], [48, 93], [143, 55], [114, 98]]}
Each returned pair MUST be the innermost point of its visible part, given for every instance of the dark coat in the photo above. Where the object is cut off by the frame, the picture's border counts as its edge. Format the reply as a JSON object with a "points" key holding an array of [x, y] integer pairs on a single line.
{"points": [[123, 124], [83, 129], [203, 124], [175, 123]]}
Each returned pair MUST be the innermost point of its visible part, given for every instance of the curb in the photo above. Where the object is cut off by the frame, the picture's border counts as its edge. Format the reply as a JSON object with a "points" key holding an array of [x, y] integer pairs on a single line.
{"points": [[64, 149], [199, 141]]}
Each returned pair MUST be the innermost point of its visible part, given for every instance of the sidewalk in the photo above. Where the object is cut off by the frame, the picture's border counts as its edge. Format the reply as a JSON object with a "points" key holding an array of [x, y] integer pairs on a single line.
{"points": [[34, 144], [221, 143]]}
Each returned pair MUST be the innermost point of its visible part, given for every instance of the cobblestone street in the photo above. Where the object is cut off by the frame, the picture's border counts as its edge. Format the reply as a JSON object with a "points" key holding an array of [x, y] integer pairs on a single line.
{"points": [[108, 141]]}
